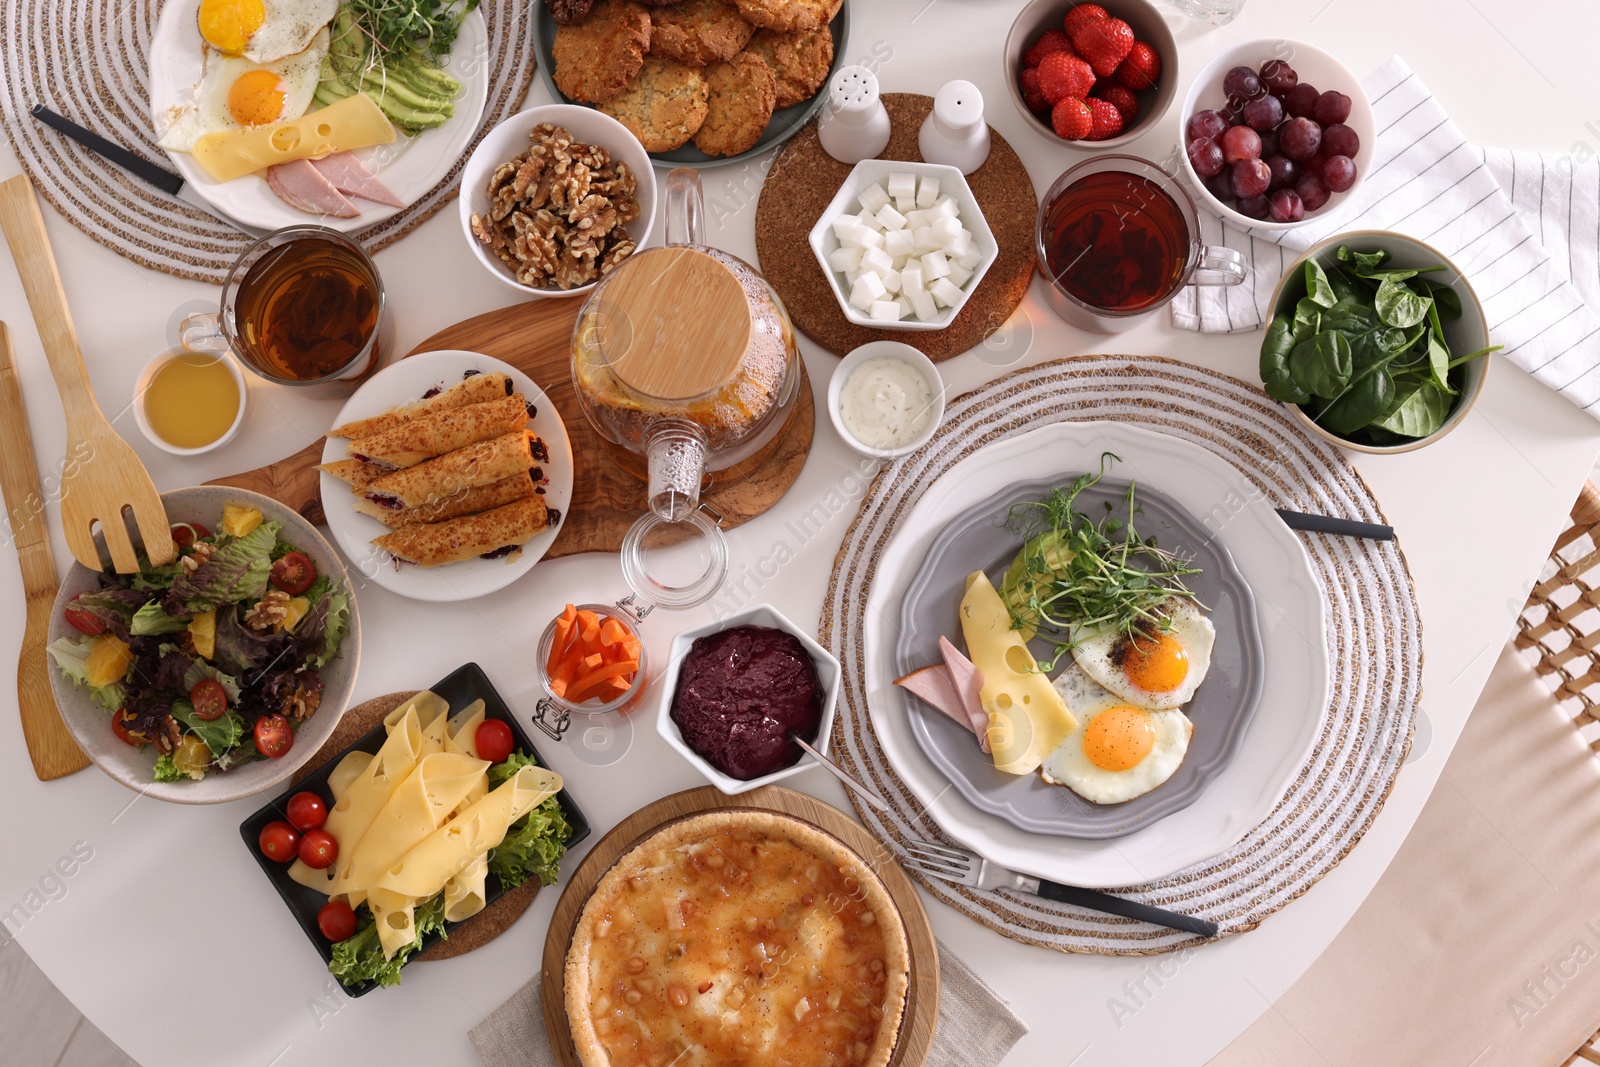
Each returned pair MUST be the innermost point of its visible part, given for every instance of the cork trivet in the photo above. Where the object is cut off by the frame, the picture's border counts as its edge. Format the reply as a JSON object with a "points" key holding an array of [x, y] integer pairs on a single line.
{"points": [[483, 927], [804, 180]]}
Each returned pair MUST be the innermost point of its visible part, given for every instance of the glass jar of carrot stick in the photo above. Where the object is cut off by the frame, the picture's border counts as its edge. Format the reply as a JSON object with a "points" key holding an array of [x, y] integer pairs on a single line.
{"points": [[591, 662]]}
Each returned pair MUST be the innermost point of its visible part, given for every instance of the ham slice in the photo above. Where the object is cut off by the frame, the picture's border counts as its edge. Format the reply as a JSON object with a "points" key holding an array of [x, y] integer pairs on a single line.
{"points": [[967, 681], [935, 686], [347, 174], [302, 186]]}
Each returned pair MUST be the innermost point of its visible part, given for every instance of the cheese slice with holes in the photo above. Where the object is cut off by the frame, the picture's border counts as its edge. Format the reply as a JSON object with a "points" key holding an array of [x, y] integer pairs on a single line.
{"points": [[1027, 717], [354, 122]]}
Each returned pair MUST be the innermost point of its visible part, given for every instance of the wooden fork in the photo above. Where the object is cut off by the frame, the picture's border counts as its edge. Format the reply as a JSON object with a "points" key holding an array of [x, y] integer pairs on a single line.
{"points": [[102, 477]]}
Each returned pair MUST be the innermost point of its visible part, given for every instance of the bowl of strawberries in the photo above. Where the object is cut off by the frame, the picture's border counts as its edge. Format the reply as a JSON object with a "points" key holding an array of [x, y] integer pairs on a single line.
{"points": [[1092, 75]]}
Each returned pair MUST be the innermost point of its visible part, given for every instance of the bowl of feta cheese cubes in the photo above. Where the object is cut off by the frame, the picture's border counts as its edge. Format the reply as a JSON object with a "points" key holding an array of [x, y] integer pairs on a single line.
{"points": [[903, 245]]}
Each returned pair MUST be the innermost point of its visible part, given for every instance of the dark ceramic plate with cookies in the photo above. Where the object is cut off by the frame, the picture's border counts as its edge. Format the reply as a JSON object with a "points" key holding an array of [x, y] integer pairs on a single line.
{"points": [[695, 95]]}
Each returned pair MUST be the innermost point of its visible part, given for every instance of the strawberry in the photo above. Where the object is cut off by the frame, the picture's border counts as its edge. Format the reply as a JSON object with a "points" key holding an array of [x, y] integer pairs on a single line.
{"points": [[1031, 94], [1072, 119], [1122, 99], [1049, 41], [1103, 42], [1141, 68], [1107, 120], [1081, 13], [1062, 75]]}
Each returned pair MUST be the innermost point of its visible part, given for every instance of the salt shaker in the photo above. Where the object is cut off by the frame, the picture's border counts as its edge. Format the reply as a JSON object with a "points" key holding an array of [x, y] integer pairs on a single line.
{"points": [[954, 132], [854, 124]]}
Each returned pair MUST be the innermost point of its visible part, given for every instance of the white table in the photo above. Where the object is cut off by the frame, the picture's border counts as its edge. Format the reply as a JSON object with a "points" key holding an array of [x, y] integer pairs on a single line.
{"points": [[169, 940]]}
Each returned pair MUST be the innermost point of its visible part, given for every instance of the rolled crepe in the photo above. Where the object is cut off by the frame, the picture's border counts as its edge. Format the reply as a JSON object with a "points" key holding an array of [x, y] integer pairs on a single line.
{"points": [[437, 480], [475, 389], [354, 471], [467, 502], [435, 434], [436, 543]]}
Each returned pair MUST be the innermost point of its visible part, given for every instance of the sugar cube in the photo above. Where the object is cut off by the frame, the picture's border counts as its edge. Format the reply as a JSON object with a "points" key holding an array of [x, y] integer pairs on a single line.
{"points": [[885, 310], [922, 305], [916, 219], [903, 185], [869, 219], [945, 229], [891, 219], [924, 239], [870, 238], [960, 275], [873, 197], [876, 260], [945, 293], [846, 228], [911, 277], [945, 207], [867, 288], [905, 204], [927, 191], [957, 246], [934, 267], [906, 311], [970, 259], [891, 281], [899, 243], [845, 258]]}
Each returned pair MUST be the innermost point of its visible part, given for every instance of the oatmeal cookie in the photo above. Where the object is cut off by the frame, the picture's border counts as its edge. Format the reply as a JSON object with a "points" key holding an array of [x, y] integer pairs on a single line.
{"points": [[743, 91], [800, 60], [789, 16], [663, 106], [597, 58], [698, 32]]}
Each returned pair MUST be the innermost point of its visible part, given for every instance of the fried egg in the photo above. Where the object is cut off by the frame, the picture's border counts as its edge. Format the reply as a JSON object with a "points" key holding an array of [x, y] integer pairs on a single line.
{"points": [[235, 93], [1117, 751], [1157, 669], [263, 30]]}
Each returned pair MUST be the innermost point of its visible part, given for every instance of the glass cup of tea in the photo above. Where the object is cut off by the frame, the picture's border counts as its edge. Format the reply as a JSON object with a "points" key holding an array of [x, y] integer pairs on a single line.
{"points": [[1117, 238], [303, 306]]}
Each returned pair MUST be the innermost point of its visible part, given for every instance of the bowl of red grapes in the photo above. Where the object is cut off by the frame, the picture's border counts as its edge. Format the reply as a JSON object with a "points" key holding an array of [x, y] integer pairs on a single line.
{"points": [[1276, 133]]}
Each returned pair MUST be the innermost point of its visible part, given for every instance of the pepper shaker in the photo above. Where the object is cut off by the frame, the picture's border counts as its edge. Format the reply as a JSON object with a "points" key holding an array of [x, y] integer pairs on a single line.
{"points": [[954, 132], [854, 125]]}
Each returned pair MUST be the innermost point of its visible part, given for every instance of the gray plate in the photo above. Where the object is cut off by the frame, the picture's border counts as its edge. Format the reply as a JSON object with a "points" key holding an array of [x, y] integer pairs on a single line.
{"points": [[785, 122], [1221, 710]]}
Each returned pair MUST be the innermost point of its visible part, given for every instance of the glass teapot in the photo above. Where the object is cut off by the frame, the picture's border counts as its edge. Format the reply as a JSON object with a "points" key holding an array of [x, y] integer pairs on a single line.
{"points": [[685, 363]]}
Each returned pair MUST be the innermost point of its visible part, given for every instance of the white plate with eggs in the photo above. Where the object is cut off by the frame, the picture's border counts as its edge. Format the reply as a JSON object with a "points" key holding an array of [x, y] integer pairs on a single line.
{"points": [[191, 82], [1261, 599]]}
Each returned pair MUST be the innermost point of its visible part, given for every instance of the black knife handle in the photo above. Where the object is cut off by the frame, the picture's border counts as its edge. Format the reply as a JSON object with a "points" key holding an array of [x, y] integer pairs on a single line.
{"points": [[1299, 520], [1095, 900], [159, 177]]}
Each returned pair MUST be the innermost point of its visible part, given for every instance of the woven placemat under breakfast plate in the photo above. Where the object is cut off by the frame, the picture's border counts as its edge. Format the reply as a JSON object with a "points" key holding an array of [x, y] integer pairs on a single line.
{"points": [[1373, 629], [87, 59], [803, 181]]}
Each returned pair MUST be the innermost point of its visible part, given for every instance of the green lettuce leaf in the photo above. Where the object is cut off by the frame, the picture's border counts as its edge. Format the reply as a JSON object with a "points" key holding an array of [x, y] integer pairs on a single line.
{"points": [[71, 656], [111, 697], [359, 958], [167, 770], [150, 619], [236, 572], [203, 670], [158, 579], [219, 734], [535, 843], [334, 629]]}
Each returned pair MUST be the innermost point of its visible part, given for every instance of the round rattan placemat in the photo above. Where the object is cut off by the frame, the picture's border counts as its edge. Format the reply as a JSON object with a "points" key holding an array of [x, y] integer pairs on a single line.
{"points": [[1374, 635], [86, 59]]}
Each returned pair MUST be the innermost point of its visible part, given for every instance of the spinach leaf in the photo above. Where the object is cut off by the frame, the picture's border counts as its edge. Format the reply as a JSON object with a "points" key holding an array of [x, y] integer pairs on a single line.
{"points": [[1307, 318], [1345, 286], [1362, 263], [1417, 411], [1318, 289], [1448, 299], [1439, 364], [1368, 396], [1398, 306], [1322, 364], [1275, 376]]}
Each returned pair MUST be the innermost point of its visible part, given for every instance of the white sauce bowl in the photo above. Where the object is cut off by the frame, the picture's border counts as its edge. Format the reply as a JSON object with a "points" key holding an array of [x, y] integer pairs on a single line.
{"points": [[879, 350]]}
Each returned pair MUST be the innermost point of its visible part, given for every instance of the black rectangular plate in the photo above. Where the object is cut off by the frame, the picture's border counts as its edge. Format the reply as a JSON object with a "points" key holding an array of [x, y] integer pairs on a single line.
{"points": [[460, 688]]}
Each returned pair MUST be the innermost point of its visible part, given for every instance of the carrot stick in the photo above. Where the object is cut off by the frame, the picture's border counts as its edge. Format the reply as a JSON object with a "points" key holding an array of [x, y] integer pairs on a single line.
{"points": [[584, 686]]}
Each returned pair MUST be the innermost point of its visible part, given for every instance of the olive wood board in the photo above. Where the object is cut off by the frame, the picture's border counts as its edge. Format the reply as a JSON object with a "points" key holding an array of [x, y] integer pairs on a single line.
{"points": [[535, 337], [471, 933], [804, 180], [921, 1018]]}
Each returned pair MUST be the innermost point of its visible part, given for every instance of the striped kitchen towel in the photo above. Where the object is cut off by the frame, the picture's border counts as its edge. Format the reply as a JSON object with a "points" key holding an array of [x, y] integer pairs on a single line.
{"points": [[1524, 227]]}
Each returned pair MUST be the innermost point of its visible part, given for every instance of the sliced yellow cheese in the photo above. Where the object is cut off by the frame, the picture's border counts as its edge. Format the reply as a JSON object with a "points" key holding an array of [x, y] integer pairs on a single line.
{"points": [[420, 806], [1027, 717], [354, 122], [395, 918]]}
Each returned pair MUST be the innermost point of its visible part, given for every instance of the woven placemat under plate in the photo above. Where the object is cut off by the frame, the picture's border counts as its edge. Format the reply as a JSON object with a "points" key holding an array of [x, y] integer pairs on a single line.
{"points": [[1374, 638], [803, 181], [87, 60]]}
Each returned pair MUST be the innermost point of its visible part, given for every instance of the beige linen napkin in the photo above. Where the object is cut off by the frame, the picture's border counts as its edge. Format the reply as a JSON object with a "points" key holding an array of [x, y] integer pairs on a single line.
{"points": [[1480, 944], [976, 1028]]}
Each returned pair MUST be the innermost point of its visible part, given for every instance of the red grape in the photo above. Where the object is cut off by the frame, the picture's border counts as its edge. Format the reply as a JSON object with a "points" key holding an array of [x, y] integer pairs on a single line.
{"points": [[1301, 101], [1285, 171], [1340, 140], [1251, 177], [1338, 173], [1254, 207], [1263, 113], [1332, 106], [1220, 185], [1286, 206], [1207, 124], [1298, 139], [1278, 76], [1269, 143], [1240, 142], [1205, 155], [1242, 83], [1312, 190]]}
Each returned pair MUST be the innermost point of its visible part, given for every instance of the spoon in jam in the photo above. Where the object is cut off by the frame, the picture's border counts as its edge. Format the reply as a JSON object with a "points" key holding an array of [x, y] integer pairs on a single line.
{"points": [[839, 772]]}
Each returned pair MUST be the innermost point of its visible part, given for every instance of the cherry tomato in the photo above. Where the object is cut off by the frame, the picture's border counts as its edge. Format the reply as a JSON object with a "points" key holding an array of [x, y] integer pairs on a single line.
{"points": [[119, 726], [185, 534], [279, 841], [318, 849], [294, 573], [273, 736], [210, 700], [307, 811], [336, 920], [494, 740], [84, 622]]}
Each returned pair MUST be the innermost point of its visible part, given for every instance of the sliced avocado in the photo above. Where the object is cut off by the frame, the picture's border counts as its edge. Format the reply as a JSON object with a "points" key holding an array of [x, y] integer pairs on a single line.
{"points": [[1041, 561]]}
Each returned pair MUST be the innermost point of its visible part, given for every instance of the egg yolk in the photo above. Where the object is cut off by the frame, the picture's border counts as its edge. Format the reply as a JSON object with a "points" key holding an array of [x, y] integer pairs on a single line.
{"points": [[1118, 738], [257, 98], [1156, 663], [229, 24]]}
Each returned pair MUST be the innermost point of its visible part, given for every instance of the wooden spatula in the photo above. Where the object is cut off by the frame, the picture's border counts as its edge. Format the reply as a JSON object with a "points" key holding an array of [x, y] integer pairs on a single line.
{"points": [[102, 476]]}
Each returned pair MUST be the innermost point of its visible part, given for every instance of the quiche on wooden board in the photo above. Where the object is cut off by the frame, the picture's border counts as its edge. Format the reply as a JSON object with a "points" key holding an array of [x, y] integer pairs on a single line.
{"points": [[743, 937]]}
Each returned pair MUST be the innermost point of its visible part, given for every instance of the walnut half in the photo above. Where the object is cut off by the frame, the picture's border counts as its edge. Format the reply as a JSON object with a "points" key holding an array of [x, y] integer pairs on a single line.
{"points": [[269, 611]]}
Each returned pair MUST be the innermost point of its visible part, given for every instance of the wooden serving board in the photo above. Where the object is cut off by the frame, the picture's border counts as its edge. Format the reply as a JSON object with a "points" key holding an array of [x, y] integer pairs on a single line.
{"points": [[922, 997], [535, 337]]}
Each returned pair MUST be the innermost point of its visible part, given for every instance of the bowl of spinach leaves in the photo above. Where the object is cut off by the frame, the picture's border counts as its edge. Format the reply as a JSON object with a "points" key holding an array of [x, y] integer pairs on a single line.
{"points": [[1377, 342]]}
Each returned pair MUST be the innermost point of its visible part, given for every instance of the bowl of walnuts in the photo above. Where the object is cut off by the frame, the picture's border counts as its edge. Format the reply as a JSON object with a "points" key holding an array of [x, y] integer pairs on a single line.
{"points": [[555, 197]]}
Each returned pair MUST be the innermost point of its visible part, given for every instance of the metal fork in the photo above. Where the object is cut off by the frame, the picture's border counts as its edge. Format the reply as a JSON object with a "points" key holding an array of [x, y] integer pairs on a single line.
{"points": [[970, 869]]}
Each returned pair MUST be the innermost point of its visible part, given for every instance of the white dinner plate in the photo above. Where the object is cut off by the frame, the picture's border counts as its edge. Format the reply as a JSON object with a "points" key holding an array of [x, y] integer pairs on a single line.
{"points": [[1290, 602], [409, 166], [403, 383]]}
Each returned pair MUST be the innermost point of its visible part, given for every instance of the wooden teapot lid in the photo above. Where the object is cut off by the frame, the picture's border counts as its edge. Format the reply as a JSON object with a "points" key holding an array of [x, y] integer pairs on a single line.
{"points": [[687, 323]]}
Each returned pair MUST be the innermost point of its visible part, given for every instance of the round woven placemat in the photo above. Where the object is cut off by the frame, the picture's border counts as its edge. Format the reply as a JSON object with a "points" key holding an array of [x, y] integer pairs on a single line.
{"points": [[86, 59], [1374, 639], [804, 180]]}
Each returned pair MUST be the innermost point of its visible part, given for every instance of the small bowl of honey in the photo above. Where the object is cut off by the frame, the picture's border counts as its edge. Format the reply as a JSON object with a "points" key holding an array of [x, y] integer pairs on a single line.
{"points": [[188, 402]]}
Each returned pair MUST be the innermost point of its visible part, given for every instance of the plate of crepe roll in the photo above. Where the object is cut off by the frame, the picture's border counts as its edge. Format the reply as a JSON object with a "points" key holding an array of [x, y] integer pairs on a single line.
{"points": [[446, 477]]}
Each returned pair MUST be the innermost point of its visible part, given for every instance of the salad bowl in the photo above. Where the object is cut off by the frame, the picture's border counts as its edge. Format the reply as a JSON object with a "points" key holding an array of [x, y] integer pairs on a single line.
{"points": [[91, 722]]}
